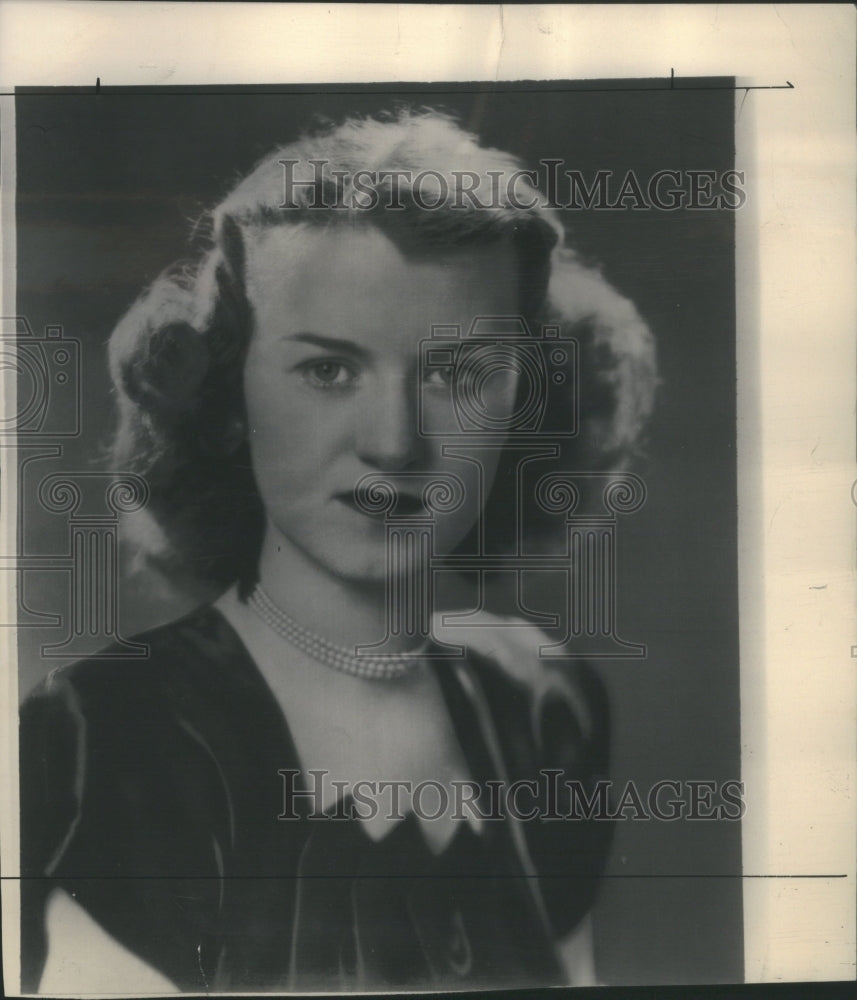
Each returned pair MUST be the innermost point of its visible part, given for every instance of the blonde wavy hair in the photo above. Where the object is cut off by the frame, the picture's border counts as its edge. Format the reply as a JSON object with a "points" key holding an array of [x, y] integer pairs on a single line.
{"points": [[176, 357]]}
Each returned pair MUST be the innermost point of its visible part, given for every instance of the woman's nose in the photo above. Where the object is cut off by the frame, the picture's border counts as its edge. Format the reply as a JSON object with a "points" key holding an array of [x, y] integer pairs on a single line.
{"points": [[387, 434]]}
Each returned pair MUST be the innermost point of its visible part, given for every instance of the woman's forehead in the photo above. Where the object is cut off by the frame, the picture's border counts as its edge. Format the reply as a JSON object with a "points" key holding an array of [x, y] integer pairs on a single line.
{"points": [[312, 266]]}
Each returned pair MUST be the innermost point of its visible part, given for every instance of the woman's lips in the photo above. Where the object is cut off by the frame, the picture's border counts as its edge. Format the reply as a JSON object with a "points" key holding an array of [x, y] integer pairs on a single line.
{"points": [[406, 505], [348, 500]]}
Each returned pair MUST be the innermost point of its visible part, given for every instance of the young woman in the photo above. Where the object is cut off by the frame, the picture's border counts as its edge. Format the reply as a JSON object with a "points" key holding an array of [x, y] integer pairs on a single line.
{"points": [[240, 810]]}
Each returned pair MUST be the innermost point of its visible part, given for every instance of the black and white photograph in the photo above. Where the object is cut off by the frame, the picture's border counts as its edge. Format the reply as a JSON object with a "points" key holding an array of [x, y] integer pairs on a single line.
{"points": [[379, 543]]}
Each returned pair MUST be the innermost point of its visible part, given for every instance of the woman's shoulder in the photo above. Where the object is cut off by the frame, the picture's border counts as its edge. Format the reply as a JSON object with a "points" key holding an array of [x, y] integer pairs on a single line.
{"points": [[550, 723], [110, 721], [112, 744], [166, 660], [517, 660]]}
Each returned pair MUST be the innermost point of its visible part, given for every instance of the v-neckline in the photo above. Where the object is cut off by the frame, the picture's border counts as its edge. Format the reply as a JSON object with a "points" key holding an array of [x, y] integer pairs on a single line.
{"points": [[455, 699]]}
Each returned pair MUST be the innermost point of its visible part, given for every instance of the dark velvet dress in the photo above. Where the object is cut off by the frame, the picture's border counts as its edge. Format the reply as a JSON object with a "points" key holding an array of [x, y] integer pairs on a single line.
{"points": [[151, 792]]}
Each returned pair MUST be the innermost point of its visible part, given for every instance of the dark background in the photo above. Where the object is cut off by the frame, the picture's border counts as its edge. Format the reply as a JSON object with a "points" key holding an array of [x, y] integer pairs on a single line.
{"points": [[108, 186]]}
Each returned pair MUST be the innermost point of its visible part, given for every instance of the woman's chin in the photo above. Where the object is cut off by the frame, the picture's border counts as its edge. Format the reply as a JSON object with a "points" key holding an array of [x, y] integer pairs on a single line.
{"points": [[367, 564], [371, 569], [367, 556]]}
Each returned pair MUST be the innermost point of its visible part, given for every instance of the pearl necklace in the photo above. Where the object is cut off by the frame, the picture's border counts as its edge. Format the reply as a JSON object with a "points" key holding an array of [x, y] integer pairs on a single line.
{"points": [[373, 667]]}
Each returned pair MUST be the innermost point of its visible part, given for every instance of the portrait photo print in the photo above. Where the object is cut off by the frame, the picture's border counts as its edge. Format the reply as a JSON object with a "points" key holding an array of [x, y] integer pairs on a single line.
{"points": [[377, 543]]}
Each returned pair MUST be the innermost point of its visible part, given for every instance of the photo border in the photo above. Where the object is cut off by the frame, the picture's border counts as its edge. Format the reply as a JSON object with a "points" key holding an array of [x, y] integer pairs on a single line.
{"points": [[795, 273]]}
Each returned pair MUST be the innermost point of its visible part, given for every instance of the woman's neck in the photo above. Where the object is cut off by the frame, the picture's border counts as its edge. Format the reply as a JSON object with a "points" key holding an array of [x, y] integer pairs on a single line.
{"points": [[346, 612]]}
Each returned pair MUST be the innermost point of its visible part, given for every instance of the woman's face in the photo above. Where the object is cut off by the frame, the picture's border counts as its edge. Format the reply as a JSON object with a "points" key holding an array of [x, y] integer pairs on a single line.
{"points": [[333, 382]]}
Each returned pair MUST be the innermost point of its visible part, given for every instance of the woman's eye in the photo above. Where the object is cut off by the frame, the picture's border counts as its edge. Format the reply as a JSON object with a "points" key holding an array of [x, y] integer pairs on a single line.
{"points": [[441, 376], [328, 374]]}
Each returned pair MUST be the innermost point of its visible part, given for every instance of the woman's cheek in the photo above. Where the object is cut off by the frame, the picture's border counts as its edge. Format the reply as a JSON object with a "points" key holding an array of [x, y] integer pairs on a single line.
{"points": [[453, 528]]}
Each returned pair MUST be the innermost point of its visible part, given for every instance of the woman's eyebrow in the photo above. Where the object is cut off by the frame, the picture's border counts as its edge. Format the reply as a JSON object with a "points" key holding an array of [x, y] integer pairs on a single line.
{"points": [[329, 343]]}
